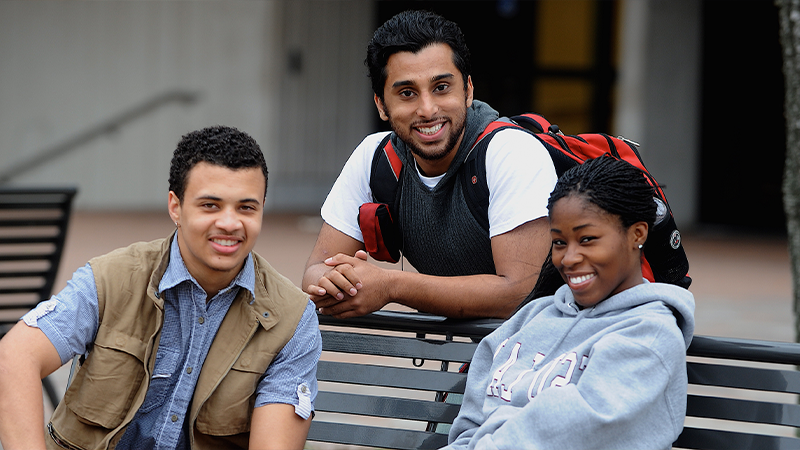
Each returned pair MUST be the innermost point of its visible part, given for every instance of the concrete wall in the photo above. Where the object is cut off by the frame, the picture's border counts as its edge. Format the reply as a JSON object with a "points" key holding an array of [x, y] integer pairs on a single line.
{"points": [[67, 68], [658, 94]]}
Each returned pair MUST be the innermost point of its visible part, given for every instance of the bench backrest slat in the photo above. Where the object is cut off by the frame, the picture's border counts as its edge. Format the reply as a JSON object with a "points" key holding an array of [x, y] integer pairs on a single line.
{"points": [[376, 437], [388, 407], [775, 380], [743, 410], [394, 377], [694, 438], [399, 347]]}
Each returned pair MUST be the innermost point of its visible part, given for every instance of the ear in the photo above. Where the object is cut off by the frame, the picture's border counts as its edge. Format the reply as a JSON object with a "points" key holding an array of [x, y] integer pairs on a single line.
{"points": [[174, 207], [638, 233], [470, 91], [381, 108]]}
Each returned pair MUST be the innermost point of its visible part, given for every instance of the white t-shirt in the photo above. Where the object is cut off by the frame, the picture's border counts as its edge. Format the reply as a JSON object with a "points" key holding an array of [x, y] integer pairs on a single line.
{"points": [[519, 173]]}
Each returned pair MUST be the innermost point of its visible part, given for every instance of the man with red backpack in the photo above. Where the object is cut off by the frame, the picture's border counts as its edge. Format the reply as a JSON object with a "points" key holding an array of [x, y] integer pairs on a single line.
{"points": [[471, 261]]}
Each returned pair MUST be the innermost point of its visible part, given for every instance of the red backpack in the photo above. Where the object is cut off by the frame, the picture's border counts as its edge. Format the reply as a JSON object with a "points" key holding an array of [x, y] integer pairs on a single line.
{"points": [[664, 257]]}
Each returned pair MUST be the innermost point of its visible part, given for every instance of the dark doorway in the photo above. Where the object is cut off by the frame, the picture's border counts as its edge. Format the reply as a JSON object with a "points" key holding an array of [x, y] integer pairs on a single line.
{"points": [[743, 137]]}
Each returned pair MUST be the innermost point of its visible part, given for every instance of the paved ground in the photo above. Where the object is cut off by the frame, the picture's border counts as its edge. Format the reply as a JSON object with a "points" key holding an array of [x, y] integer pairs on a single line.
{"points": [[742, 285]]}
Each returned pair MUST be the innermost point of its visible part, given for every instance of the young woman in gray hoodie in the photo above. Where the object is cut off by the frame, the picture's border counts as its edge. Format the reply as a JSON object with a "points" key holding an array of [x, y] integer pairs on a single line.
{"points": [[602, 363]]}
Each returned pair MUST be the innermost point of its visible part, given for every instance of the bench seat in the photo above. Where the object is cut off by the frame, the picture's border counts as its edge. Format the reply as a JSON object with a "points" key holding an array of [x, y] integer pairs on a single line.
{"points": [[386, 378]]}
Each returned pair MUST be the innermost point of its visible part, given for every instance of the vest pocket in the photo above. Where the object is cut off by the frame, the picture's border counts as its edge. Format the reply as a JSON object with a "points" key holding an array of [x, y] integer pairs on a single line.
{"points": [[230, 407], [162, 380], [104, 387]]}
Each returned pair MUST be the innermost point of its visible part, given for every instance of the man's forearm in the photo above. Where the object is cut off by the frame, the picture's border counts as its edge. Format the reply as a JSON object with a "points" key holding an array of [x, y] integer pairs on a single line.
{"points": [[21, 406], [26, 356], [461, 297]]}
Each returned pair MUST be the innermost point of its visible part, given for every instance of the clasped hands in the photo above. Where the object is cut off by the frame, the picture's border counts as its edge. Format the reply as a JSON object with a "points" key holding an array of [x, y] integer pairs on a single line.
{"points": [[351, 287]]}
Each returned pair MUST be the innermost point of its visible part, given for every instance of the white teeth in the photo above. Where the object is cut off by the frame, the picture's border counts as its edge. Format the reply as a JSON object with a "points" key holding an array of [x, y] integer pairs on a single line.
{"points": [[431, 130], [581, 279], [225, 242]]}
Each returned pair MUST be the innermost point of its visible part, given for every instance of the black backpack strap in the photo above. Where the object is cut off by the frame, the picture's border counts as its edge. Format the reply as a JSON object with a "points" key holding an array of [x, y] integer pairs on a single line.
{"points": [[382, 238], [473, 174]]}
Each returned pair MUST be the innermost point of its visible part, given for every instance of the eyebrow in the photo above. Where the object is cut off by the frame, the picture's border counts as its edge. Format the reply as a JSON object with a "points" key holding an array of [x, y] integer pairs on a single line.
{"points": [[556, 230], [436, 78], [218, 199]]}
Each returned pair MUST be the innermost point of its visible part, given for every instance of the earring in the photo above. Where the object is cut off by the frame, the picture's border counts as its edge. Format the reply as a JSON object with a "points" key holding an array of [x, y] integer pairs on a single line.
{"points": [[640, 246], [177, 226]]}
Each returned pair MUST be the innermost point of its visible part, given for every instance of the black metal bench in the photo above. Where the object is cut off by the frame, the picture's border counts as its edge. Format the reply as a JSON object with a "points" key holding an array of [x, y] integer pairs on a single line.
{"points": [[33, 227], [383, 379]]}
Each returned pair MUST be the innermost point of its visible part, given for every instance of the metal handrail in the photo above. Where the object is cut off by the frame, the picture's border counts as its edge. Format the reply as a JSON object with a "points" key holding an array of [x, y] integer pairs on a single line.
{"points": [[109, 126]]}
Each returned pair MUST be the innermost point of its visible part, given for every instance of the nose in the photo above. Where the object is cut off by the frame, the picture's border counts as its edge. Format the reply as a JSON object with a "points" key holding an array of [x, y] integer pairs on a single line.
{"points": [[427, 106], [572, 256], [228, 220]]}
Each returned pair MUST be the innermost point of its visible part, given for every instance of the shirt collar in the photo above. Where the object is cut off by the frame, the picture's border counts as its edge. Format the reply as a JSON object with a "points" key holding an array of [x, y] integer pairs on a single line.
{"points": [[177, 272]]}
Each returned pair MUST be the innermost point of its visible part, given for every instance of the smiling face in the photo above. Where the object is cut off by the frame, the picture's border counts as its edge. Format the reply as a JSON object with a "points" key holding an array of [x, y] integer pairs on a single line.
{"points": [[426, 103], [218, 221], [594, 254]]}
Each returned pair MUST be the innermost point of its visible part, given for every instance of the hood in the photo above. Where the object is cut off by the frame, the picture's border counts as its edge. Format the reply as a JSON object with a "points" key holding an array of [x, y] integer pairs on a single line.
{"points": [[678, 299]]}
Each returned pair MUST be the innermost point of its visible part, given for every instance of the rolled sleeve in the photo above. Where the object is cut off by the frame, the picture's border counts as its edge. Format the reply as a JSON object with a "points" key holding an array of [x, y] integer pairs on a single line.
{"points": [[292, 377], [70, 318]]}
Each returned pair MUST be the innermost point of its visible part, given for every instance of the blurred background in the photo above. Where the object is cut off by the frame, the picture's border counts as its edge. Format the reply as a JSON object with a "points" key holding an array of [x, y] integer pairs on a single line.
{"points": [[95, 94]]}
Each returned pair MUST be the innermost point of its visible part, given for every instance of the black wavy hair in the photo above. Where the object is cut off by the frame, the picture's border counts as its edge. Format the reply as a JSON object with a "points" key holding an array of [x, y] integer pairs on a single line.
{"points": [[613, 185], [219, 145], [412, 31]]}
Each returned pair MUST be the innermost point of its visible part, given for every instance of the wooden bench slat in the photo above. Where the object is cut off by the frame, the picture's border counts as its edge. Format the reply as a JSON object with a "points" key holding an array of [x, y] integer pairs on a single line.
{"points": [[745, 350], [20, 290], [29, 240], [395, 377], [51, 222], [416, 323], [743, 410], [774, 380], [368, 436], [401, 347], [40, 256], [23, 274], [389, 407], [701, 438]]}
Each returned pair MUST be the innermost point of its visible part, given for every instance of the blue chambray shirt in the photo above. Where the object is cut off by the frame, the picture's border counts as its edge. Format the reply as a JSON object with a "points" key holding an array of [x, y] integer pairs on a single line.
{"points": [[70, 321]]}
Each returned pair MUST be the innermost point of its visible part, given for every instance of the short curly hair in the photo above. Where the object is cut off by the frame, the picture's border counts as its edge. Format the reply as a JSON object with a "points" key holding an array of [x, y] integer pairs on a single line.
{"points": [[219, 145]]}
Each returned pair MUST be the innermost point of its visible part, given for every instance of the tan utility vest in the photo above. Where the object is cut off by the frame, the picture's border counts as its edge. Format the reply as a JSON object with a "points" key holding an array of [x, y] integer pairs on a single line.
{"points": [[111, 385]]}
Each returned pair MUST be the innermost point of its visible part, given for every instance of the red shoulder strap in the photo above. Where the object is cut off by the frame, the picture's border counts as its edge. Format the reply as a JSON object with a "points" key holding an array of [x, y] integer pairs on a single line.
{"points": [[394, 161], [492, 127]]}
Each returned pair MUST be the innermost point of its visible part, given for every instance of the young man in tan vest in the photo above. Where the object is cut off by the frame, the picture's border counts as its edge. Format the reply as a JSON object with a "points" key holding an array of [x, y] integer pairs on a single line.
{"points": [[193, 341]]}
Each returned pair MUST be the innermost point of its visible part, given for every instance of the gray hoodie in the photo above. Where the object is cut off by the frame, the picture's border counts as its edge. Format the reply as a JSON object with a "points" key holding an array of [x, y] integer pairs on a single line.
{"points": [[555, 377]]}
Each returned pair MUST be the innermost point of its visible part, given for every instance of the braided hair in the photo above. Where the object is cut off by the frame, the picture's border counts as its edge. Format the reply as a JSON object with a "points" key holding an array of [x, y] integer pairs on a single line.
{"points": [[616, 187]]}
